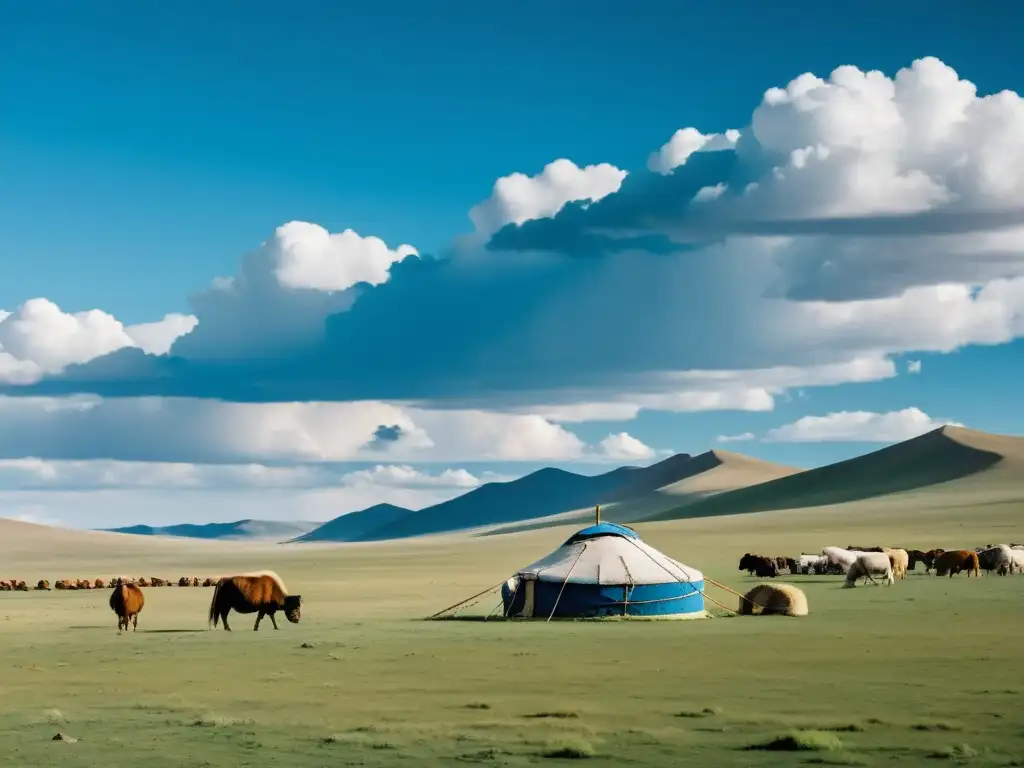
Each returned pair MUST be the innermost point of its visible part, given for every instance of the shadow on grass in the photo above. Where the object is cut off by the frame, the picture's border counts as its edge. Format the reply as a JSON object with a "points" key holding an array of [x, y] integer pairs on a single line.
{"points": [[170, 631]]}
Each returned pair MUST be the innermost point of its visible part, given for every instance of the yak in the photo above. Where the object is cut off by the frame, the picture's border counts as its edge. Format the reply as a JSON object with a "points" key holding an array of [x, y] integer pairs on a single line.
{"points": [[261, 593], [126, 601], [759, 565], [957, 561]]}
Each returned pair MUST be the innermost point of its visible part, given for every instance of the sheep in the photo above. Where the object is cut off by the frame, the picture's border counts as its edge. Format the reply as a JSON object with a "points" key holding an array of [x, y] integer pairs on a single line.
{"points": [[843, 558], [812, 563], [869, 565], [774, 600], [900, 561]]}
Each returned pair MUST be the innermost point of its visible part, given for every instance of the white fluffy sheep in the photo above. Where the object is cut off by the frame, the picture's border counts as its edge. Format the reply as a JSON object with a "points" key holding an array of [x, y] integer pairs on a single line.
{"points": [[868, 565], [774, 600], [844, 558], [900, 561], [812, 563]]}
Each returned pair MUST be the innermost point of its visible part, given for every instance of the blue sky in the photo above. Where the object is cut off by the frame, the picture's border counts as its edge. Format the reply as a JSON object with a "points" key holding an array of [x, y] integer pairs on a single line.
{"points": [[145, 150]]}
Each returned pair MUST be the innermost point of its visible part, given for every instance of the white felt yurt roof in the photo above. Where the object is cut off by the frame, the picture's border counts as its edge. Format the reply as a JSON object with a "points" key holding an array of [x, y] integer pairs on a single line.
{"points": [[609, 560]]}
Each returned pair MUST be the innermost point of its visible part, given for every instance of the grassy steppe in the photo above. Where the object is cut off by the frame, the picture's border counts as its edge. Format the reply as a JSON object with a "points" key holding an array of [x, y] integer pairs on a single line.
{"points": [[909, 674]]}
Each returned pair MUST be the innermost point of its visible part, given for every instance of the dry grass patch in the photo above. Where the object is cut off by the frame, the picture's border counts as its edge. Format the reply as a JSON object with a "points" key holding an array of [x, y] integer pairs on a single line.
{"points": [[956, 752], [570, 749], [210, 720], [801, 741], [695, 713], [556, 715], [936, 727]]}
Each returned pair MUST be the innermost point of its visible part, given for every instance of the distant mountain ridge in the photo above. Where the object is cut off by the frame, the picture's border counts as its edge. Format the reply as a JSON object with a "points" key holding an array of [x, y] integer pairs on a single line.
{"points": [[544, 492], [940, 456], [682, 486], [355, 525], [240, 529]]}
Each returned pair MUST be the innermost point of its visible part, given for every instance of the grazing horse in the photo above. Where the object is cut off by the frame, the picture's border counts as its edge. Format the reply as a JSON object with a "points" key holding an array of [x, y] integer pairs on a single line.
{"points": [[126, 601], [261, 593]]}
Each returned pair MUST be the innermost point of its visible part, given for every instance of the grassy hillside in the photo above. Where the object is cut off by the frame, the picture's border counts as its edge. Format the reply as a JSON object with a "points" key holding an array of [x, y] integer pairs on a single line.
{"points": [[540, 493], [363, 681], [356, 525], [697, 477], [941, 456]]}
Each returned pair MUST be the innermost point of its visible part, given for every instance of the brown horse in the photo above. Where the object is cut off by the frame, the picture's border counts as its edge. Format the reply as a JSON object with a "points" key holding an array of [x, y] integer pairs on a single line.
{"points": [[126, 601], [261, 593]]}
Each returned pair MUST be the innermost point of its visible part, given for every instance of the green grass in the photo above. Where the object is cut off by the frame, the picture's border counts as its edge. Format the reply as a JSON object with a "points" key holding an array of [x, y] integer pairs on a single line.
{"points": [[894, 674]]}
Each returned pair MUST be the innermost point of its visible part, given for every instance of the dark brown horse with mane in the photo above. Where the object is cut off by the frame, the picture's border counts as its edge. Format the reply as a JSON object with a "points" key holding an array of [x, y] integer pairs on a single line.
{"points": [[261, 593]]}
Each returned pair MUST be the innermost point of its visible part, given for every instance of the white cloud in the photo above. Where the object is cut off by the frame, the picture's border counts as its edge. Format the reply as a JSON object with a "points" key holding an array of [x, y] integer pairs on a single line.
{"points": [[858, 426], [740, 438], [278, 303], [538, 336], [684, 142], [712, 390], [308, 256], [913, 366], [157, 338], [623, 446], [938, 318], [39, 474], [106, 493], [40, 338], [569, 413], [517, 198], [406, 476], [211, 431]]}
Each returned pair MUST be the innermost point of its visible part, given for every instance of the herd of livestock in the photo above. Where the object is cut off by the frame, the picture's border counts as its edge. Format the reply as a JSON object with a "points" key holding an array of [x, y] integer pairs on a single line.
{"points": [[43, 585], [262, 593], [890, 563]]}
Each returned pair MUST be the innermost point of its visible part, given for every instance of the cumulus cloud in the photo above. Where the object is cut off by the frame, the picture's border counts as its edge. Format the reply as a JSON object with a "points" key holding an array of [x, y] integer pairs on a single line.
{"points": [[308, 256], [40, 338], [879, 184], [517, 198], [740, 438], [623, 446], [858, 426], [913, 366], [856, 217], [684, 142], [278, 303], [158, 338]]}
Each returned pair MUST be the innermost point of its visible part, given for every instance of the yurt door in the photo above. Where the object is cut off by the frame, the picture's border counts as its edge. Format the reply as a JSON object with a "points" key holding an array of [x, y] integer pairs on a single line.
{"points": [[527, 611]]}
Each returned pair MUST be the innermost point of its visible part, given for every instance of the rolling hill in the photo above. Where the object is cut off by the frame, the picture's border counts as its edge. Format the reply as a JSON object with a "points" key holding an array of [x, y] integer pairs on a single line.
{"points": [[355, 525], [554, 496], [544, 492], [667, 486], [948, 455], [254, 530]]}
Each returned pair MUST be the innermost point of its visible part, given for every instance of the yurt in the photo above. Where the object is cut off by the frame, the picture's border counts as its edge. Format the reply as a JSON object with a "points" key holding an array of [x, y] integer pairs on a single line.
{"points": [[605, 570]]}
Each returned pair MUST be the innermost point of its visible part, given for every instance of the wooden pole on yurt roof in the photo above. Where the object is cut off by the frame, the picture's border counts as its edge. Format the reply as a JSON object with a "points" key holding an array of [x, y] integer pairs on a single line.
{"points": [[597, 510]]}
